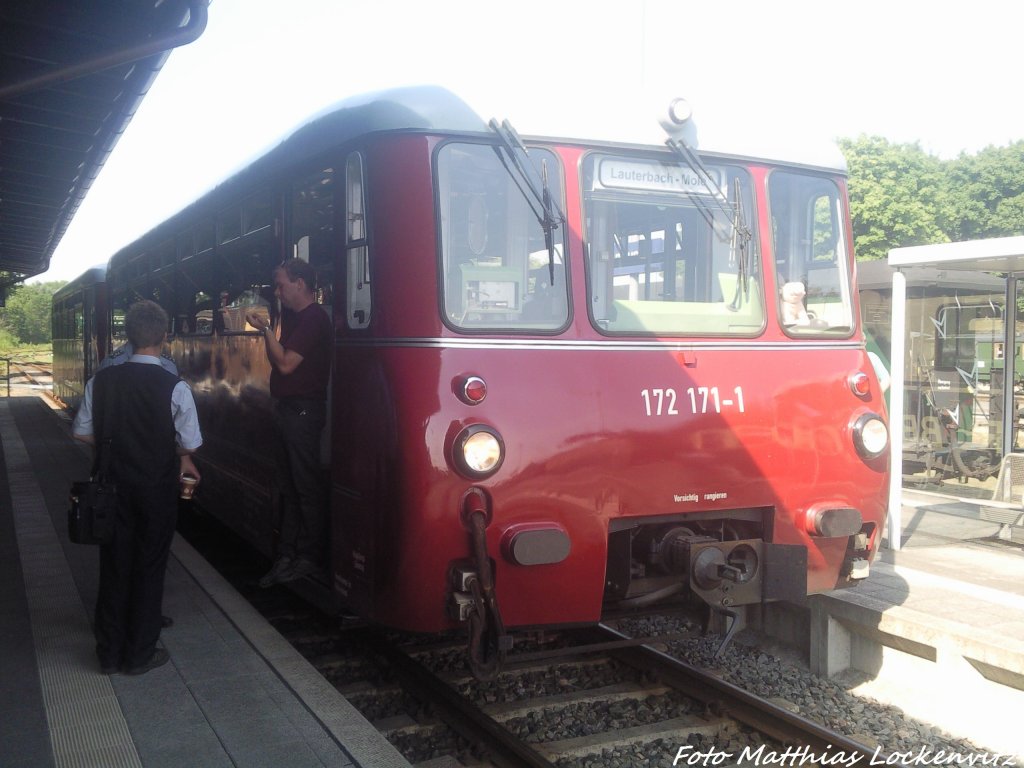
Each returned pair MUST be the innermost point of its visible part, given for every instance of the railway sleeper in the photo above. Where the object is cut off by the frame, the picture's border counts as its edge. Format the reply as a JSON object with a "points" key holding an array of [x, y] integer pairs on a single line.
{"points": [[616, 692], [676, 730]]}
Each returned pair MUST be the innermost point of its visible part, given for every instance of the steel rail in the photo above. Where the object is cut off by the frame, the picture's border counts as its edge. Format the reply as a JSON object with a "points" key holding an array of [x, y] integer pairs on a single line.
{"points": [[505, 749], [732, 701]]}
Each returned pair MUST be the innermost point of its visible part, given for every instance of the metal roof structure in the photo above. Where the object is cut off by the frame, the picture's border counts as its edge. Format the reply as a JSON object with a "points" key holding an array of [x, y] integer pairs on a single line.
{"points": [[72, 75]]}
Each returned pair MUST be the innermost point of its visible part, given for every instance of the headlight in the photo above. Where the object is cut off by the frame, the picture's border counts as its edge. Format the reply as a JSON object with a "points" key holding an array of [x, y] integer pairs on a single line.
{"points": [[870, 435], [478, 451]]}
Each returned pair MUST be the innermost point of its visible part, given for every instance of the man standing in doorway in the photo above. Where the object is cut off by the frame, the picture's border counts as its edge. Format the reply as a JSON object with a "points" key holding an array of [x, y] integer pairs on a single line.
{"points": [[300, 368]]}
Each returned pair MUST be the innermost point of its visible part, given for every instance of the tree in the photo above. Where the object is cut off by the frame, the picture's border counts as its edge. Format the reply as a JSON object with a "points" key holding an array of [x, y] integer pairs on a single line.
{"points": [[897, 192], [26, 317], [899, 195], [986, 193]]}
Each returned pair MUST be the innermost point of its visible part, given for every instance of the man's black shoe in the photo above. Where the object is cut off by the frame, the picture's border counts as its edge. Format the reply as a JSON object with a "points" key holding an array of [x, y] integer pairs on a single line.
{"points": [[273, 576], [166, 621], [158, 659], [300, 569], [109, 669]]}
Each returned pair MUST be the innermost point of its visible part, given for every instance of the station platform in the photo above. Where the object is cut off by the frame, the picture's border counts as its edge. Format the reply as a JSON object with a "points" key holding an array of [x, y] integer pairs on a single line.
{"points": [[939, 621], [954, 575], [234, 692]]}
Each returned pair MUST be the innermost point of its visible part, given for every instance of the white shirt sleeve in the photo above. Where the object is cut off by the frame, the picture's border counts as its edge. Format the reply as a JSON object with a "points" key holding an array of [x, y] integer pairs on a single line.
{"points": [[83, 419], [186, 420]]}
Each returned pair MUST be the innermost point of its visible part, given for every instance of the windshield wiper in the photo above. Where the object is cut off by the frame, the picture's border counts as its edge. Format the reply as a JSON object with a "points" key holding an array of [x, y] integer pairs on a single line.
{"points": [[740, 235], [740, 246], [549, 214]]}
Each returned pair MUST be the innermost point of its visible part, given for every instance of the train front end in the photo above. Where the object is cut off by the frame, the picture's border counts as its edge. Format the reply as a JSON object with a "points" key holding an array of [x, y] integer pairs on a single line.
{"points": [[648, 386]]}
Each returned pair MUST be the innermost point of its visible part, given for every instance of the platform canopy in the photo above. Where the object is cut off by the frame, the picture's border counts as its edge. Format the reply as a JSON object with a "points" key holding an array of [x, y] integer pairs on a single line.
{"points": [[1001, 255], [72, 74]]}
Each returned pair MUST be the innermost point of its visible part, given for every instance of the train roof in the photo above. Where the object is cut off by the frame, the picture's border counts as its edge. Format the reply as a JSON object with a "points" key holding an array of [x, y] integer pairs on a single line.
{"points": [[91, 276], [643, 132], [415, 108], [422, 109]]}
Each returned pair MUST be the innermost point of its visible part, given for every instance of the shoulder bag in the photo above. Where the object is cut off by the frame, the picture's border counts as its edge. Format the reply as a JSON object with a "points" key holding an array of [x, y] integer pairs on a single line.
{"points": [[93, 504]]}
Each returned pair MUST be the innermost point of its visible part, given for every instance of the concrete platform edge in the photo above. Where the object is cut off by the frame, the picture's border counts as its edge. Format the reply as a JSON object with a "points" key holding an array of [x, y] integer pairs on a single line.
{"points": [[345, 724]]}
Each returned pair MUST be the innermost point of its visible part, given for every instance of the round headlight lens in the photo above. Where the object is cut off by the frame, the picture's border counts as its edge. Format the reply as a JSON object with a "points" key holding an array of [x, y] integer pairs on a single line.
{"points": [[479, 451], [870, 435]]}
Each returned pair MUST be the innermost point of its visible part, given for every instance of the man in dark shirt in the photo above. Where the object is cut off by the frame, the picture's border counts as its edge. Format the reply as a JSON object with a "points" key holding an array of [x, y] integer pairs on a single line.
{"points": [[300, 368], [142, 420]]}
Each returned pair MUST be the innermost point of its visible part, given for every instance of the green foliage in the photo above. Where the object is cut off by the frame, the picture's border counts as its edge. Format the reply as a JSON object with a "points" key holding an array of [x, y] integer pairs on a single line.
{"points": [[7, 342], [896, 191], [900, 195], [987, 193], [26, 318]]}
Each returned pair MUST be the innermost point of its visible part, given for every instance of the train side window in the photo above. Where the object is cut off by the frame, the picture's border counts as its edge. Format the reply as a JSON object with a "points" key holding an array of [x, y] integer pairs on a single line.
{"points": [[229, 224], [233, 308], [197, 319], [194, 315], [204, 236], [117, 332], [163, 291], [163, 255], [312, 218], [186, 243], [357, 253], [257, 212]]}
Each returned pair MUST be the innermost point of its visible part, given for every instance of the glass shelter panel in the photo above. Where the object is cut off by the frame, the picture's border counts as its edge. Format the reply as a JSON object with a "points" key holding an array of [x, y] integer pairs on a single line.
{"points": [[954, 377]]}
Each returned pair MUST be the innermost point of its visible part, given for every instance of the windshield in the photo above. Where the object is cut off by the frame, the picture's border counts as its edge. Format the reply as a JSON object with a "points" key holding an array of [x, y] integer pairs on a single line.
{"points": [[811, 264], [663, 257], [498, 271]]}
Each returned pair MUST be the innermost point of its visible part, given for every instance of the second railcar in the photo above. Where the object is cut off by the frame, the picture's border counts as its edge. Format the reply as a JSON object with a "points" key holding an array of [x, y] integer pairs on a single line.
{"points": [[79, 318]]}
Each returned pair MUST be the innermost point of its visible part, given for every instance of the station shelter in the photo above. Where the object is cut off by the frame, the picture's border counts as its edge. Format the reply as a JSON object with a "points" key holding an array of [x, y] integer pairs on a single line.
{"points": [[955, 337]]}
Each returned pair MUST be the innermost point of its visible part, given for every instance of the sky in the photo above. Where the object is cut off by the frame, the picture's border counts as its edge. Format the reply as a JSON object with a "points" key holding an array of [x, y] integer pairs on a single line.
{"points": [[783, 74]]}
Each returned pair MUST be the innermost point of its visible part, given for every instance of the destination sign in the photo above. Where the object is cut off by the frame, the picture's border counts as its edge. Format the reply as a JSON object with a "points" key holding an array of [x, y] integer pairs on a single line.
{"points": [[617, 173]]}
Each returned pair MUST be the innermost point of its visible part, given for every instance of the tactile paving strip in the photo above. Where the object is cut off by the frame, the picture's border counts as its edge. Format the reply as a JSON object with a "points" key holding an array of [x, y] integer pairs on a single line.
{"points": [[86, 724]]}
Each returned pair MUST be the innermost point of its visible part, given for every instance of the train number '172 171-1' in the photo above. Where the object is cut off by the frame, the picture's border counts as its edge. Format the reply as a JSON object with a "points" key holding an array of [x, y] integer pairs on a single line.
{"points": [[665, 402]]}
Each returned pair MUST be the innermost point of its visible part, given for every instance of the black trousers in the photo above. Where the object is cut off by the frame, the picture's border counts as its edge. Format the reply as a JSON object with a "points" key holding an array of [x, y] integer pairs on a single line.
{"points": [[304, 521], [132, 568]]}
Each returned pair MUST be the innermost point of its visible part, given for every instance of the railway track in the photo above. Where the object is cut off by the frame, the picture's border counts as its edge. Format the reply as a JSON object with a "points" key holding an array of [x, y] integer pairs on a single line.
{"points": [[29, 375], [596, 697], [592, 697], [629, 700]]}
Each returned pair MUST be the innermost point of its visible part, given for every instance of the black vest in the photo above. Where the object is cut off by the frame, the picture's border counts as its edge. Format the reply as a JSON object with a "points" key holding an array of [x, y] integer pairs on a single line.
{"points": [[131, 407]]}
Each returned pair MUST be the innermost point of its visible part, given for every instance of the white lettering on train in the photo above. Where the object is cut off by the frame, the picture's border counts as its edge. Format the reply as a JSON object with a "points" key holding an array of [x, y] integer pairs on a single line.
{"points": [[663, 401]]}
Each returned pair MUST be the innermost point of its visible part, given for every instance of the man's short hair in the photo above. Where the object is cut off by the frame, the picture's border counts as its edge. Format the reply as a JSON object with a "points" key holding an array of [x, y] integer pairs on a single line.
{"points": [[145, 324], [296, 268]]}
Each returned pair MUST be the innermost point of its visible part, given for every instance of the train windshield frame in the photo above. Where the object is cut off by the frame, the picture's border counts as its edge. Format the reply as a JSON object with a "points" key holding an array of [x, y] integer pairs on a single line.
{"points": [[498, 274], [663, 256]]}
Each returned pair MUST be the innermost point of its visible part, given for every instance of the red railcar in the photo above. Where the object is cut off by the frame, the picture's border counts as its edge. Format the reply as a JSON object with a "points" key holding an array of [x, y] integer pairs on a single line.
{"points": [[569, 376]]}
